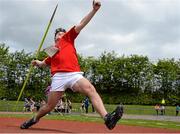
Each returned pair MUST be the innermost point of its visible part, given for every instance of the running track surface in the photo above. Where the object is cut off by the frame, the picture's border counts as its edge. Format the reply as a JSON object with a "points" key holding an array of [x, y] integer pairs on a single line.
{"points": [[11, 125]]}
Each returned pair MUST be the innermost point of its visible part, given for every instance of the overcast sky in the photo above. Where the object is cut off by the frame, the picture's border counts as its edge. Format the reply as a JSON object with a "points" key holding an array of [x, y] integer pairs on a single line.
{"points": [[144, 27]]}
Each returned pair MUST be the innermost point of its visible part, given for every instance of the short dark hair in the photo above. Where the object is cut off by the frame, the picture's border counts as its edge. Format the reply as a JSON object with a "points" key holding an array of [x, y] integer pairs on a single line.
{"points": [[58, 30]]}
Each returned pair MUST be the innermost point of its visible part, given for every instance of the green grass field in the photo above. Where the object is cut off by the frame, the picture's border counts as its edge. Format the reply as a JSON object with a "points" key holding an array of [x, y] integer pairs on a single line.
{"points": [[9, 106], [128, 109], [132, 109]]}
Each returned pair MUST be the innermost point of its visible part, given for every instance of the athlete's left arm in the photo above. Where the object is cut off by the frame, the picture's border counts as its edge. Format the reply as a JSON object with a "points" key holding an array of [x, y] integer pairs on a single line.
{"points": [[88, 17]]}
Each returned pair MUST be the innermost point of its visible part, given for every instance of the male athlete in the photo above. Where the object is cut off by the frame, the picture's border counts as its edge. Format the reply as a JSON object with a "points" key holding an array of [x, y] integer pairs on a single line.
{"points": [[66, 73]]}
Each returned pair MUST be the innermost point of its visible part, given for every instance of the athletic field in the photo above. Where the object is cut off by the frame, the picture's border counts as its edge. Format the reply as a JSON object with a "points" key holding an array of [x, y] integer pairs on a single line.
{"points": [[10, 122]]}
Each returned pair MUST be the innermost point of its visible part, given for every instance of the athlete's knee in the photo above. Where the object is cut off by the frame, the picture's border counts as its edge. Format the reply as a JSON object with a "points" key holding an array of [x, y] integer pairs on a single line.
{"points": [[91, 90]]}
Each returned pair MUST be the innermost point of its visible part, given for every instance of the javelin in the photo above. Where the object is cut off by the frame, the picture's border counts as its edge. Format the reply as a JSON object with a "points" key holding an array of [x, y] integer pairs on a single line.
{"points": [[37, 54]]}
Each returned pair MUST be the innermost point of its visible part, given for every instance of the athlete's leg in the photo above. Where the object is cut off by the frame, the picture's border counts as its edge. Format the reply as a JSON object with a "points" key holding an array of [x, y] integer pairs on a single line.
{"points": [[53, 99], [85, 87]]}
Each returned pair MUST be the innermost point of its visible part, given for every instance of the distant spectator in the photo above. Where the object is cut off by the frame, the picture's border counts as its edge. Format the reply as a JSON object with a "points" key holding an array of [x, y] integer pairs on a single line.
{"points": [[86, 104], [157, 108], [162, 108], [69, 105], [60, 106], [177, 110], [82, 106], [32, 105], [27, 105]]}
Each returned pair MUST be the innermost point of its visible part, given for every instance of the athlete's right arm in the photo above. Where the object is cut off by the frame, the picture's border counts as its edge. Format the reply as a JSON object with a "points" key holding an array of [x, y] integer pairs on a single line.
{"points": [[38, 63], [88, 17]]}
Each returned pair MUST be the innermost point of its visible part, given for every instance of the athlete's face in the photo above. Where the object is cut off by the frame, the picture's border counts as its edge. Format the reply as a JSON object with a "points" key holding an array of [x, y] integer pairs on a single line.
{"points": [[59, 35]]}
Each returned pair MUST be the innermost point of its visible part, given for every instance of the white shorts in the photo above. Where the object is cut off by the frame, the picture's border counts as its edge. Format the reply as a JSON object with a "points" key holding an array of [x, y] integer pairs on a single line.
{"points": [[62, 81]]}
